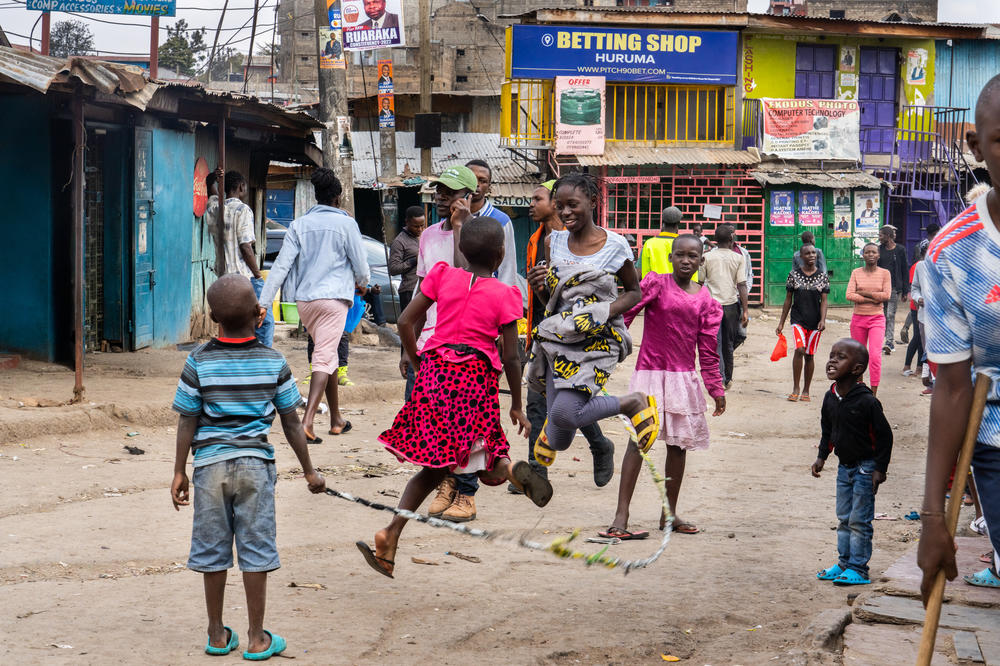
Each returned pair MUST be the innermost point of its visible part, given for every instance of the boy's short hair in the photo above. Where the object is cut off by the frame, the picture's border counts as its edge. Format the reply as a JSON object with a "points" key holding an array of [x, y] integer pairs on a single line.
{"points": [[685, 237], [414, 212], [233, 181], [210, 180], [483, 164], [808, 238], [232, 302], [724, 233], [482, 240], [859, 352]]}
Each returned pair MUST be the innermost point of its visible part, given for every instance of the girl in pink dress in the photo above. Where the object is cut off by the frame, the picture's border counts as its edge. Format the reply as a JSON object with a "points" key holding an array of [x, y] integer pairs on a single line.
{"points": [[682, 322], [452, 421]]}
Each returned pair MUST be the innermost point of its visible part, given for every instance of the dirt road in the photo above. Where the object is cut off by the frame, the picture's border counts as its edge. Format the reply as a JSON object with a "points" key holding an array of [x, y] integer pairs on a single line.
{"points": [[91, 552]]}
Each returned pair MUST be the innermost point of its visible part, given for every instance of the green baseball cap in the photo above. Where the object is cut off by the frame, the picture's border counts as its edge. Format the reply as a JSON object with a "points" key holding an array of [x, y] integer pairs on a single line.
{"points": [[458, 177]]}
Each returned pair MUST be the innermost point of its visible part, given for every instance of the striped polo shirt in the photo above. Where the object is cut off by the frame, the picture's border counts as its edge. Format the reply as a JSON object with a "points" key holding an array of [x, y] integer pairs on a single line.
{"points": [[234, 387], [960, 284]]}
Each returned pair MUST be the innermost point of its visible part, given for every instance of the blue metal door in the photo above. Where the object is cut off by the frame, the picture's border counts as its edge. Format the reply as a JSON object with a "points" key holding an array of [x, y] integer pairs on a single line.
{"points": [[878, 88], [815, 68], [142, 237]]}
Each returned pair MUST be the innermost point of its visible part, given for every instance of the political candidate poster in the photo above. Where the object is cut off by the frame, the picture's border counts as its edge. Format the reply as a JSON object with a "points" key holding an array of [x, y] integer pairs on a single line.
{"points": [[372, 24], [811, 208], [866, 212], [782, 208]]}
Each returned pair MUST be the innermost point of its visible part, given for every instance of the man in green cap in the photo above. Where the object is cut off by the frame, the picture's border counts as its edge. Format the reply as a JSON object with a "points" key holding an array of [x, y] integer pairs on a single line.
{"points": [[453, 191]]}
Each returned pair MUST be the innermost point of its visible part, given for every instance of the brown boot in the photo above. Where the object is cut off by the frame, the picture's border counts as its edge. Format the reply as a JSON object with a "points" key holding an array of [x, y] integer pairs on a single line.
{"points": [[445, 497], [462, 510]]}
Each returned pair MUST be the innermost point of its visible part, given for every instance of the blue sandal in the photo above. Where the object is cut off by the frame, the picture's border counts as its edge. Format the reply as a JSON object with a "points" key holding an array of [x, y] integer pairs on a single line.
{"points": [[277, 646], [851, 577], [234, 642], [984, 578], [831, 573]]}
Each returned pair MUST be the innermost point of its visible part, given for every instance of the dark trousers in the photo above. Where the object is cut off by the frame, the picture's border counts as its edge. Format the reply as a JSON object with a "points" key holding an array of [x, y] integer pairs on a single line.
{"points": [[986, 470], [536, 417], [343, 350], [728, 332], [404, 299], [916, 345], [375, 301]]}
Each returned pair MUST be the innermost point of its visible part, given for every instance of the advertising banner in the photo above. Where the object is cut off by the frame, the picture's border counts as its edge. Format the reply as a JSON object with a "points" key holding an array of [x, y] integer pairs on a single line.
{"points": [[811, 208], [782, 208], [127, 7], [842, 221], [580, 115], [866, 212], [372, 24], [386, 111], [814, 129], [331, 39], [623, 54]]}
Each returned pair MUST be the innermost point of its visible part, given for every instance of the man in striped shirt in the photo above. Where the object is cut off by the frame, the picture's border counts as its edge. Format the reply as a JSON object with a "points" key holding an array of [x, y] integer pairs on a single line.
{"points": [[229, 391]]}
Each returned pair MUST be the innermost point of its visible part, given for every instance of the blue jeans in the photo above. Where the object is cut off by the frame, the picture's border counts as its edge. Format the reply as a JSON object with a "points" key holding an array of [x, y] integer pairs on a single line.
{"points": [[856, 511], [234, 499], [265, 334], [986, 470]]}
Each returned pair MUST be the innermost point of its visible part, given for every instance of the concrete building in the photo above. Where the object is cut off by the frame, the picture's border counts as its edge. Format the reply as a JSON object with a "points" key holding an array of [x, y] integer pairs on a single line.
{"points": [[905, 11]]}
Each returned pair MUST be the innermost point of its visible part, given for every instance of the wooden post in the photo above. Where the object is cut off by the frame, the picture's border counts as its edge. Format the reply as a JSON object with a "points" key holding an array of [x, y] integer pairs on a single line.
{"points": [[936, 598], [333, 96], [425, 77], [46, 31], [79, 141], [220, 220], [154, 47]]}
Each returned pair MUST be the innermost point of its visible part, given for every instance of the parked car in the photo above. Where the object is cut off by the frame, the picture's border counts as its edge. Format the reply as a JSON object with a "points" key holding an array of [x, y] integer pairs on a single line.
{"points": [[377, 255]]}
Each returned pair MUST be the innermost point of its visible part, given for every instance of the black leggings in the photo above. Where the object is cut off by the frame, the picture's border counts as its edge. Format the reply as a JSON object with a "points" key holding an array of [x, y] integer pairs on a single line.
{"points": [[916, 345]]}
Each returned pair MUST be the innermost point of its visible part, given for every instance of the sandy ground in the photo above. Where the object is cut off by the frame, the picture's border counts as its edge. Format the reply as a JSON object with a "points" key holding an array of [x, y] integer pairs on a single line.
{"points": [[92, 553]]}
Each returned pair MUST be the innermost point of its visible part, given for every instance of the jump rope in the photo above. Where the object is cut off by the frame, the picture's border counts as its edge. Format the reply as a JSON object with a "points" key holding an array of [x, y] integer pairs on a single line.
{"points": [[560, 546]]}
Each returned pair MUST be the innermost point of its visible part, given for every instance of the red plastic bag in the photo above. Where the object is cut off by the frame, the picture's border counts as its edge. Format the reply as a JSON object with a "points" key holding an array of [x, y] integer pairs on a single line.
{"points": [[780, 349]]}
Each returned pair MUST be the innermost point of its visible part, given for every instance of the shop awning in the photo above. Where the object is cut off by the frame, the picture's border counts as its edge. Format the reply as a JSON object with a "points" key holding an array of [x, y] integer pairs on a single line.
{"points": [[633, 154], [844, 178]]}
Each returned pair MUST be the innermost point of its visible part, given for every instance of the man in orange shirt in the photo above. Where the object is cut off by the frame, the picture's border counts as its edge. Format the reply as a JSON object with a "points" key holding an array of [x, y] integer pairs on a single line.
{"points": [[603, 449]]}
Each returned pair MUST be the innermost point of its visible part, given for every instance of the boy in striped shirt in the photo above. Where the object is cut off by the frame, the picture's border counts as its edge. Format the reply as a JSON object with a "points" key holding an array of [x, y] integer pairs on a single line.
{"points": [[962, 322], [227, 397]]}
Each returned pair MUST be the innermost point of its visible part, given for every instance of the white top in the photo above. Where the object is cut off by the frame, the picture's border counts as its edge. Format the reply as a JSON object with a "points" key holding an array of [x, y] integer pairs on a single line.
{"points": [[610, 258]]}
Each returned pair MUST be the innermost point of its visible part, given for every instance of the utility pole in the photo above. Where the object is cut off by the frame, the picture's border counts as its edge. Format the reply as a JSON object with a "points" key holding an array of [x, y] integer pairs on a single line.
{"points": [[425, 77], [46, 32], [154, 47], [333, 104]]}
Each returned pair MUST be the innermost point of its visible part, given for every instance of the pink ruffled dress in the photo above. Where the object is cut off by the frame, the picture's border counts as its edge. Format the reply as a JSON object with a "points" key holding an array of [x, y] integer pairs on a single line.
{"points": [[678, 328]]}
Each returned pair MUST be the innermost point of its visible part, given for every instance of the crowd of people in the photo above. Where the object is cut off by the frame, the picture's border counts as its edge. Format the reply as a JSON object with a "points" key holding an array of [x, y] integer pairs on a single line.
{"points": [[459, 331]]}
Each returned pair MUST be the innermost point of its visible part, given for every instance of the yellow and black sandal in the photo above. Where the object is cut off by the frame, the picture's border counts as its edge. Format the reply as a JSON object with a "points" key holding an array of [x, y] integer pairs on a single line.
{"points": [[544, 456], [644, 439]]}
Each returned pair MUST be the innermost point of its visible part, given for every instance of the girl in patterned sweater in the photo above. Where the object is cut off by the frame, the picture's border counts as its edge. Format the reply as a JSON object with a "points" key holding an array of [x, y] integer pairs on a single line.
{"points": [[452, 421]]}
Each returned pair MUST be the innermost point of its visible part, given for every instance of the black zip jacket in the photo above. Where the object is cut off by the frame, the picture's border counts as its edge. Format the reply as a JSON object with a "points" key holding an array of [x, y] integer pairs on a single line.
{"points": [[855, 428]]}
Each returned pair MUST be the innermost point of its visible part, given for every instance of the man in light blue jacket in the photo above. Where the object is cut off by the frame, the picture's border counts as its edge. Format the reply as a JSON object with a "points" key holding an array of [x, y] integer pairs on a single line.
{"points": [[321, 264]]}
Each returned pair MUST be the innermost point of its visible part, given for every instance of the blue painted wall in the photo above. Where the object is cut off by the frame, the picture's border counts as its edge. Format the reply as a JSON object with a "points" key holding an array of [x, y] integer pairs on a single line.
{"points": [[26, 272], [173, 193], [975, 63]]}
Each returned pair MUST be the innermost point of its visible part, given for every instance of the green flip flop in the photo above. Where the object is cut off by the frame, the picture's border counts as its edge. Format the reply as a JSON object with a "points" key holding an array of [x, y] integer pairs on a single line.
{"points": [[234, 642], [277, 646]]}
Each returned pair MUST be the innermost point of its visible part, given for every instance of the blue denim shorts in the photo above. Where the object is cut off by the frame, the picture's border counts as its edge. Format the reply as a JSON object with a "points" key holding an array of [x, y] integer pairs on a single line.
{"points": [[234, 498]]}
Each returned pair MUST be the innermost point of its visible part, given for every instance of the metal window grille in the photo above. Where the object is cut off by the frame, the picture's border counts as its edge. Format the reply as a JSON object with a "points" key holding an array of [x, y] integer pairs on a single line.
{"points": [[527, 113], [633, 197], [93, 194]]}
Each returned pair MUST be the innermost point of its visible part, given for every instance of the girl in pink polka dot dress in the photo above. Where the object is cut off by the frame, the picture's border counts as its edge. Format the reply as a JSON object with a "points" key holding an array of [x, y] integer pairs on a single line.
{"points": [[452, 421]]}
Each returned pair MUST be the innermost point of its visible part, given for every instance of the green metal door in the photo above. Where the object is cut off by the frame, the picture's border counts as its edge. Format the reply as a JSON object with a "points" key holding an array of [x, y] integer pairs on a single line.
{"points": [[780, 243]]}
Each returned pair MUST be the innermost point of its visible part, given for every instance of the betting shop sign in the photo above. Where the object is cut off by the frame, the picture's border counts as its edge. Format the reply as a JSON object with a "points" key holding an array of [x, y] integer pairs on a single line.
{"points": [[127, 7], [623, 54]]}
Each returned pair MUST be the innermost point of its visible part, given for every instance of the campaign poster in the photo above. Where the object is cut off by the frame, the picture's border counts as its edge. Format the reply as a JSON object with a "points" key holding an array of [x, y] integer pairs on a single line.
{"points": [[331, 39], [866, 212], [385, 77], [386, 111], [842, 221], [848, 56], [916, 67], [580, 115], [782, 208], [344, 146], [372, 24], [816, 129], [811, 208]]}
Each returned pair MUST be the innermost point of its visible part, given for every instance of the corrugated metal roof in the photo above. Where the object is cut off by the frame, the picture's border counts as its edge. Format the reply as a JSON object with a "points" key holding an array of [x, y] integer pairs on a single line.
{"points": [[625, 154], [40, 72], [816, 178], [456, 148]]}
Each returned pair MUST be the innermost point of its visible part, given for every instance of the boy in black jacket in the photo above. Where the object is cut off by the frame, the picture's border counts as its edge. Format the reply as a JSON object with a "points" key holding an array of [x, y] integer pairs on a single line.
{"points": [[855, 428]]}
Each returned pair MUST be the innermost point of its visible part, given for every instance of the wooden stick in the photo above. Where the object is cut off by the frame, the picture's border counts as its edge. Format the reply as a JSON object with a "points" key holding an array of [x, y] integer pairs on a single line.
{"points": [[934, 602]]}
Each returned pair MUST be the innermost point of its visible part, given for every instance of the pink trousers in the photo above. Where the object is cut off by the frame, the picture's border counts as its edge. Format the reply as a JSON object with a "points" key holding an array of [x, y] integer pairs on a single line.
{"points": [[869, 330], [324, 319]]}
